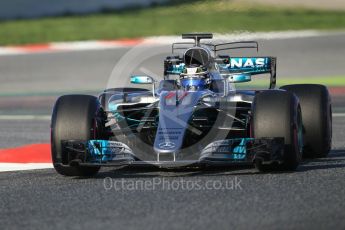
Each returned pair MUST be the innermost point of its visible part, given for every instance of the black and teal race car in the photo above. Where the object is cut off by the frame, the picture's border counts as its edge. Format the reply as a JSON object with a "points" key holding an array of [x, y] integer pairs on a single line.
{"points": [[194, 117]]}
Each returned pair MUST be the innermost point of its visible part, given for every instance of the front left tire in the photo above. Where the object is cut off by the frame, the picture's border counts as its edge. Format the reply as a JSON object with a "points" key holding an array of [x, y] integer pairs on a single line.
{"points": [[277, 113], [317, 118]]}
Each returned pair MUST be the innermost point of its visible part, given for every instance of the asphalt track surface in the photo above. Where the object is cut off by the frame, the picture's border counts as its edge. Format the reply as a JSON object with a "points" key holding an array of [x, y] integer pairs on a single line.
{"points": [[310, 198]]}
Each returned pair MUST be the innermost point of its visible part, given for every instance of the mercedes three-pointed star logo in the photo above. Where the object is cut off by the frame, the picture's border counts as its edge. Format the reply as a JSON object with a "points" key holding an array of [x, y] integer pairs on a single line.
{"points": [[167, 145]]}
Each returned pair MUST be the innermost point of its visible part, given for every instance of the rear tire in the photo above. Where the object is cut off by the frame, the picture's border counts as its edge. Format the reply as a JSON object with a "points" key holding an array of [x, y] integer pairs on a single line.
{"points": [[277, 113], [75, 117], [317, 118]]}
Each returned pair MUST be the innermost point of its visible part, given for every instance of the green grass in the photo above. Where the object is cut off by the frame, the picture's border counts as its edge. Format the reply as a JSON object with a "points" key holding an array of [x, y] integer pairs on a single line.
{"points": [[221, 16], [333, 81], [329, 81]]}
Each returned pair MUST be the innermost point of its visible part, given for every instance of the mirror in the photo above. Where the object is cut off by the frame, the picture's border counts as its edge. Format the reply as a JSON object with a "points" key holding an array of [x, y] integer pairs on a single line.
{"points": [[141, 79], [238, 78]]}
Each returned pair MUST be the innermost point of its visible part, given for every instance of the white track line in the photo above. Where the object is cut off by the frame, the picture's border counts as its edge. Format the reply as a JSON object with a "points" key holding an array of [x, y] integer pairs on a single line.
{"points": [[5, 167], [338, 114], [25, 117], [83, 45]]}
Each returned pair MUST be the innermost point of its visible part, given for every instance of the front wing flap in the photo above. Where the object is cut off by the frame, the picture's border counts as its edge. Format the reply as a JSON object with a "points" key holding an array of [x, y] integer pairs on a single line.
{"points": [[267, 150], [232, 151]]}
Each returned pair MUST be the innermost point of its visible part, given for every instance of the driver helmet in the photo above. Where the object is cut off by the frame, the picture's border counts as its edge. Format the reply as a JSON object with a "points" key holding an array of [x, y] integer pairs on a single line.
{"points": [[194, 78]]}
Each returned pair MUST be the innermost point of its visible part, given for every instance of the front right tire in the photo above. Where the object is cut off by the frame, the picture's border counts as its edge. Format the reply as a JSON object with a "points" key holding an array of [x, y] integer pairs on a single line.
{"points": [[74, 117], [277, 113]]}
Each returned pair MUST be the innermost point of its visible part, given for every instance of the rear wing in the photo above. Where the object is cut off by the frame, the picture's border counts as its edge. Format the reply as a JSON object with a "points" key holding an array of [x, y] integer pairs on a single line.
{"points": [[249, 65], [231, 65]]}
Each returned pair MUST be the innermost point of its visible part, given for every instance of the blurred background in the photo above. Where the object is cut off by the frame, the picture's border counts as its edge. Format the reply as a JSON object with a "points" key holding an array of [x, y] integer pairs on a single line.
{"points": [[37, 21]]}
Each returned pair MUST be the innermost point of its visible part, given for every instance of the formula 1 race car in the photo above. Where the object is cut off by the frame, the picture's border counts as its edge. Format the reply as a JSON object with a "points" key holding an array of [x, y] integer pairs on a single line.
{"points": [[194, 117]]}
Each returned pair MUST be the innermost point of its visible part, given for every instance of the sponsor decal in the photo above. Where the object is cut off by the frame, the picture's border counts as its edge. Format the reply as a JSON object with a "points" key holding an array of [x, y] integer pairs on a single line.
{"points": [[175, 98], [246, 63], [166, 145], [192, 70], [184, 94], [170, 95]]}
